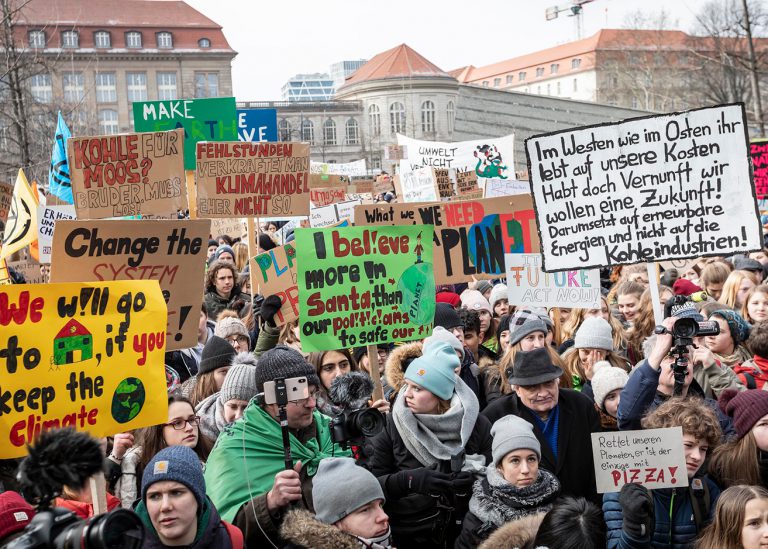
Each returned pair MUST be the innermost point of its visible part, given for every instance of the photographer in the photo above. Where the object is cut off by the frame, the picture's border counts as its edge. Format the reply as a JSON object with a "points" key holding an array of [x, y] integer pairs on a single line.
{"points": [[246, 472]]}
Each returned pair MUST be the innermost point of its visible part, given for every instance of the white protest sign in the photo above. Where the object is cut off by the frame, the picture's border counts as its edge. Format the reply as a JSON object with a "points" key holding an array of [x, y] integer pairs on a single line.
{"points": [[505, 187], [653, 458], [350, 168], [330, 215], [529, 286], [490, 157], [47, 216], [419, 186], [646, 189]]}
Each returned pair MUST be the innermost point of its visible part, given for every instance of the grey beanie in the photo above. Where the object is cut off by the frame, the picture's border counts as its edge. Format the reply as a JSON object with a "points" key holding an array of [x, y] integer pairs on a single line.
{"points": [[441, 334], [284, 362], [240, 383], [522, 323], [483, 286], [512, 433], [229, 326], [331, 496], [499, 292], [594, 333]]}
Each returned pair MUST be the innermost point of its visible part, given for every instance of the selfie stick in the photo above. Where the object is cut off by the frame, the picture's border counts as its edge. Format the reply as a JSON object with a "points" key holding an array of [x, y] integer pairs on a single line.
{"points": [[282, 401]]}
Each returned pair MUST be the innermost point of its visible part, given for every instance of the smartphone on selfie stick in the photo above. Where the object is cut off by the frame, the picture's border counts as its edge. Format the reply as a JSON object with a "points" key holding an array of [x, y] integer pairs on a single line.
{"points": [[280, 392]]}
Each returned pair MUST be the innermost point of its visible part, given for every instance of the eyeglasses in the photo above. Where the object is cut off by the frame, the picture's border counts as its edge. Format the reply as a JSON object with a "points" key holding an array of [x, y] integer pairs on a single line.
{"points": [[180, 424], [382, 353], [237, 339]]}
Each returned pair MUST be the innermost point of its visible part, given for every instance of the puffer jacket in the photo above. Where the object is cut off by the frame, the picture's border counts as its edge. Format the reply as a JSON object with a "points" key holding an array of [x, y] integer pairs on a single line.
{"points": [[677, 534], [518, 533], [397, 363], [303, 531]]}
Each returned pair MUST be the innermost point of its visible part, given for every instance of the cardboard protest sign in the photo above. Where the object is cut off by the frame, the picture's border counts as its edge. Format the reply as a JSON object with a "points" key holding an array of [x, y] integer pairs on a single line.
{"points": [[445, 186], [29, 269], [356, 168], [230, 226], [257, 125], [252, 179], [330, 215], [395, 152], [491, 157], [209, 119], [653, 458], [529, 286], [419, 186], [325, 196], [506, 187], [383, 184], [6, 192], [46, 220], [171, 252], [465, 181], [471, 237], [274, 273], [758, 151], [364, 286], [87, 356], [646, 189]]}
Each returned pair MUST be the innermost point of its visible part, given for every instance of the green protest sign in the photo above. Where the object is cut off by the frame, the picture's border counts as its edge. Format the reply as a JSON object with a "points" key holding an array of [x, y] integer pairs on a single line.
{"points": [[364, 285], [211, 119]]}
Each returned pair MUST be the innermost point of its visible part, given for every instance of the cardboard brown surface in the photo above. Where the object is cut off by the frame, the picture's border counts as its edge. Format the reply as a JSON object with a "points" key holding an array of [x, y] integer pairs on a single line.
{"points": [[274, 273]]}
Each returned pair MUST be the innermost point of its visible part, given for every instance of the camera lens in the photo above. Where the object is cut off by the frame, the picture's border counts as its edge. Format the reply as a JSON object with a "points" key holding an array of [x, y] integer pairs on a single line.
{"points": [[685, 328], [119, 529], [369, 422]]}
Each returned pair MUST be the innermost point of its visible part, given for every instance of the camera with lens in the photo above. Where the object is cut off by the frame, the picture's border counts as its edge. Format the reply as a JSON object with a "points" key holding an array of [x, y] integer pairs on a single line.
{"points": [[356, 424], [685, 329]]}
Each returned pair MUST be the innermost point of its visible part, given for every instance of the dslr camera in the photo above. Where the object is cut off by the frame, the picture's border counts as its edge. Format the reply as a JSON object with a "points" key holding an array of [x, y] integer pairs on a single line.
{"points": [[356, 420]]}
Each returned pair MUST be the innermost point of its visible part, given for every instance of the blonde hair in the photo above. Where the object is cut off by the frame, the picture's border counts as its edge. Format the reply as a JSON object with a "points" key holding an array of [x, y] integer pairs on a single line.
{"points": [[241, 255], [735, 462], [731, 289], [573, 365], [577, 317], [761, 289]]}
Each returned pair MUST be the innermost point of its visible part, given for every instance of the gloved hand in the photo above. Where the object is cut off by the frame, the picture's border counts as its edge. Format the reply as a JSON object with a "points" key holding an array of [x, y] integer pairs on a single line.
{"points": [[419, 481], [462, 483], [637, 508], [269, 309]]}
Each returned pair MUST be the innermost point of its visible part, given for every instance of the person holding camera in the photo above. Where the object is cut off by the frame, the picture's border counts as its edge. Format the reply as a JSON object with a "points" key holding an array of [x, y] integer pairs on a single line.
{"points": [[248, 474], [433, 440]]}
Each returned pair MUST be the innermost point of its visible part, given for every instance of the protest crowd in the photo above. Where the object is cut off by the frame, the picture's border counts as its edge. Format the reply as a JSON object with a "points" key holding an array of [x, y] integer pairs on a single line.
{"points": [[463, 405]]}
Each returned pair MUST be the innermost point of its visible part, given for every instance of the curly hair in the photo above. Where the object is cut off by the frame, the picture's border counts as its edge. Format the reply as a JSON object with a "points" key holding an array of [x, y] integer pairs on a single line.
{"points": [[692, 414], [215, 267]]}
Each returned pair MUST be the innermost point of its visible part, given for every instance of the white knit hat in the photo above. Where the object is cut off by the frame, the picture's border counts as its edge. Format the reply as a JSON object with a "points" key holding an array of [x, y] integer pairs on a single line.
{"points": [[474, 301], [594, 333], [606, 378], [229, 326]]}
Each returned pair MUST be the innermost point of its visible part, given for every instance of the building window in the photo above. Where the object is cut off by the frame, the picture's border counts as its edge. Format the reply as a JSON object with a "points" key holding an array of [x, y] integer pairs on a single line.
{"points": [[102, 39], [284, 130], [538, 89], [307, 131], [329, 132], [549, 92], [374, 120], [166, 86], [204, 43], [575, 84], [164, 40], [206, 84], [614, 81], [496, 82], [557, 87], [137, 86], [106, 90], [485, 83], [36, 39], [397, 118], [428, 117], [376, 163], [40, 87], [634, 102], [451, 112], [539, 72], [352, 132], [509, 78], [133, 39], [74, 87], [108, 122], [575, 63], [70, 39], [553, 68], [521, 76]]}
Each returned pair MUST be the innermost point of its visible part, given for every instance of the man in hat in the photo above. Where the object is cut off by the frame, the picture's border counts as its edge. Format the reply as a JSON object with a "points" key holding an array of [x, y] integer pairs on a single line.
{"points": [[563, 420]]}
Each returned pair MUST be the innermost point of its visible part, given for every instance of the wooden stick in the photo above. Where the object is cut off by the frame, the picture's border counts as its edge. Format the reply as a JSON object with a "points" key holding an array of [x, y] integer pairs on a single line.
{"points": [[373, 366], [191, 193], [253, 250], [98, 493], [653, 284]]}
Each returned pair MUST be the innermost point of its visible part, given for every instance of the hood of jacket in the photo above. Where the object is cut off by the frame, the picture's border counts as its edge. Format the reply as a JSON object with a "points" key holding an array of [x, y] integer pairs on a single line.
{"points": [[303, 529], [398, 361], [517, 533]]}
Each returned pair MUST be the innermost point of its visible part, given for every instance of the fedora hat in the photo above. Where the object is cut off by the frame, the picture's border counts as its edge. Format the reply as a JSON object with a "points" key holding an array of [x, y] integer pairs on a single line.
{"points": [[533, 367]]}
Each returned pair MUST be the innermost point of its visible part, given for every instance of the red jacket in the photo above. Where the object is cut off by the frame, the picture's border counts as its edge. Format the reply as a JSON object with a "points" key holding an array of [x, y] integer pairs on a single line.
{"points": [[85, 510]]}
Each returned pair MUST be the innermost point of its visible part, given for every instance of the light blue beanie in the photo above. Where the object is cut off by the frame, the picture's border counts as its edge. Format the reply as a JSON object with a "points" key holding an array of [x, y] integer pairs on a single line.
{"points": [[434, 370]]}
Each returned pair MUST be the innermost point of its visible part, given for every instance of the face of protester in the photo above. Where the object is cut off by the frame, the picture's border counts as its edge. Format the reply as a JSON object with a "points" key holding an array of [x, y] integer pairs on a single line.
{"points": [[458, 331], [565, 314], [485, 321], [602, 312], [226, 256], [667, 375], [611, 403], [695, 453], [534, 340], [368, 521], [520, 467], [172, 508], [419, 400], [754, 531], [715, 291], [219, 375], [541, 398], [746, 284], [501, 308], [233, 409], [224, 282], [761, 256], [757, 306], [722, 343], [212, 250], [239, 342], [628, 306], [588, 358], [181, 413], [334, 364], [691, 275], [760, 432], [299, 412], [471, 341], [504, 341]]}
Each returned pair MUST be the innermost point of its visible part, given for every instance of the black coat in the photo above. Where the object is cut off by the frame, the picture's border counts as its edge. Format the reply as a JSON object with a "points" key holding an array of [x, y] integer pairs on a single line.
{"points": [[414, 518], [578, 420]]}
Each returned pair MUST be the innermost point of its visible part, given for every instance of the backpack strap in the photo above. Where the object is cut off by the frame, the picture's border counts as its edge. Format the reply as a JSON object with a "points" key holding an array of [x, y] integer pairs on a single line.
{"points": [[749, 379], [700, 501], [235, 535]]}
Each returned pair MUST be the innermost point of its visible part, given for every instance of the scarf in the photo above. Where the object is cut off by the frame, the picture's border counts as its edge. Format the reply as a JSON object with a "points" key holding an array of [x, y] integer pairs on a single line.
{"points": [[431, 438], [384, 541], [495, 501], [740, 354], [249, 453], [211, 412], [325, 406]]}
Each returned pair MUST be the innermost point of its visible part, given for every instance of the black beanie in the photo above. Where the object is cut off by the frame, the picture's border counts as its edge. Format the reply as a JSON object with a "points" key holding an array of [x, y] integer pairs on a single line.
{"points": [[446, 316], [265, 242], [217, 353], [503, 325], [284, 362]]}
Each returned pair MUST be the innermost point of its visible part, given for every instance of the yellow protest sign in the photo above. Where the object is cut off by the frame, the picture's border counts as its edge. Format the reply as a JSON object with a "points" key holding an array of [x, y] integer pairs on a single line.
{"points": [[86, 355], [21, 228]]}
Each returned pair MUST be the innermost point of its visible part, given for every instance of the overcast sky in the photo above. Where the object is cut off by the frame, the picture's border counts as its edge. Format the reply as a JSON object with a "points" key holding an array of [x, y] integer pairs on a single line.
{"points": [[278, 39]]}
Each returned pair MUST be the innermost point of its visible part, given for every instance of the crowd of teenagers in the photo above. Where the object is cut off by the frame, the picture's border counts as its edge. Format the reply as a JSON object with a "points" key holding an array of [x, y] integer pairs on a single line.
{"points": [[485, 425]]}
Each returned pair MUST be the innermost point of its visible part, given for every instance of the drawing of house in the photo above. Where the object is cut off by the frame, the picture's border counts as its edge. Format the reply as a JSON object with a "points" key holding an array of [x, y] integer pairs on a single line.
{"points": [[73, 343]]}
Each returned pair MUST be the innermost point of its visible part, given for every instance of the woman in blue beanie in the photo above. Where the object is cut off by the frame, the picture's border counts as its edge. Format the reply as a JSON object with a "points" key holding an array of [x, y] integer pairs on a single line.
{"points": [[426, 455]]}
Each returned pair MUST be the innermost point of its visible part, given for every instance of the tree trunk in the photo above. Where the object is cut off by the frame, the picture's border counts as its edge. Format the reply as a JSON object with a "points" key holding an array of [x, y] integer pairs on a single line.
{"points": [[753, 72], [15, 86]]}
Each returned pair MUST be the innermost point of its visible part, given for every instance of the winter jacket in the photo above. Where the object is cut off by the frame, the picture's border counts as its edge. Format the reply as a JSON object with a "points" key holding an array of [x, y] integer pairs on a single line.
{"points": [[716, 378], [83, 509], [215, 303], [678, 534], [268, 338], [640, 396], [303, 531], [186, 362], [416, 518], [753, 373], [397, 363], [127, 487], [517, 533], [578, 419]]}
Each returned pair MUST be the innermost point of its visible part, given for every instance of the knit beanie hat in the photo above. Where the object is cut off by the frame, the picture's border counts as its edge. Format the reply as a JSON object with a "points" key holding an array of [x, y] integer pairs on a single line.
{"points": [[745, 408], [736, 324], [450, 298], [15, 514], [212, 242], [434, 370], [266, 243], [229, 326], [503, 326], [284, 362], [474, 301], [687, 310], [331, 497], [240, 383], [683, 286], [483, 286], [445, 288], [747, 264], [441, 334], [216, 354], [524, 322], [446, 316], [594, 333], [606, 378], [512, 433], [548, 321], [177, 463], [224, 248], [499, 292]]}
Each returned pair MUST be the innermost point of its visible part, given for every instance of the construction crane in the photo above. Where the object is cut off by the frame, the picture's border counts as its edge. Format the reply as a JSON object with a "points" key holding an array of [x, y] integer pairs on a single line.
{"points": [[575, 8]]}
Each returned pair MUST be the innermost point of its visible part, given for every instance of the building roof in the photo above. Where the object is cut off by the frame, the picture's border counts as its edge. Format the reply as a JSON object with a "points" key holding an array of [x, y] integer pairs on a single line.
{"points": [[71, 329], [399, 62]]}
